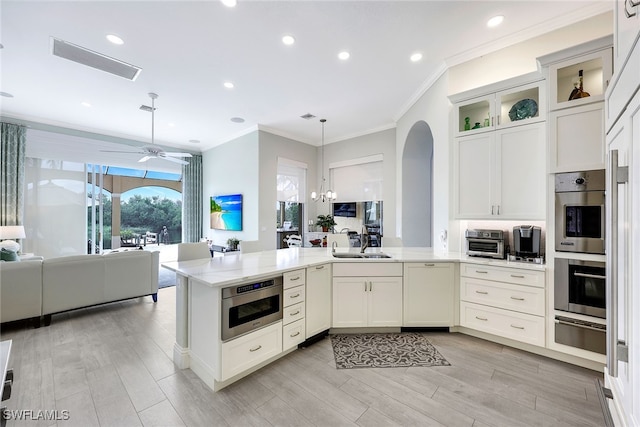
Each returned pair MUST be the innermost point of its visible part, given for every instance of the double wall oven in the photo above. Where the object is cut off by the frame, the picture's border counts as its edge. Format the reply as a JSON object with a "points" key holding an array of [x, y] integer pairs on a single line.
{"points": [[579, 285]]}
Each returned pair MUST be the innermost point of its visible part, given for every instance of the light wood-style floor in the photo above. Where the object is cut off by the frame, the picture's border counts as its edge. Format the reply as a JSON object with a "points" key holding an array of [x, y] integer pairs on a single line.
{"points": [[111, 366]]}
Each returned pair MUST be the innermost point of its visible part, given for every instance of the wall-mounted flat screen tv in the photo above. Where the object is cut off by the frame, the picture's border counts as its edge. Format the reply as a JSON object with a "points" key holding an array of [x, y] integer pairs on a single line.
{"points": [[226, 212], [344, 209]]}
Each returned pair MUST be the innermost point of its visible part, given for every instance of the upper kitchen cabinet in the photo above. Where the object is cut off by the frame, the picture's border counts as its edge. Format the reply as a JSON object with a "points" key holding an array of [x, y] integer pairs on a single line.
{"points": [[578, 75], [512, 103], [626, 24]]}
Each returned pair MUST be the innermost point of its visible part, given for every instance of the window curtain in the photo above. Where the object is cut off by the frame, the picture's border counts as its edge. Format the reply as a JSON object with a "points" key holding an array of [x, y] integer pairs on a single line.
{"points": [[291, 180], [359, 182], [192, 202], [12, 156]]}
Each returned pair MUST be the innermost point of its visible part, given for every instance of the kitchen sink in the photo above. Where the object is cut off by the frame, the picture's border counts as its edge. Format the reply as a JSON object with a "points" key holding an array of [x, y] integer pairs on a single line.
{"points": [[357, 255], [347, 255], [375, 255]]}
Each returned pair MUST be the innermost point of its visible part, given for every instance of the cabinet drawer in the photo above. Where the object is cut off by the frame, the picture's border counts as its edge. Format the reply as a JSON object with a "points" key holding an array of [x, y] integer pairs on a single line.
{"points": [[292, 334], [293, 278], [244, 352], [366, 268], [525, 299], [293, 313], [503, 274], [293, 296], [507, 324]]}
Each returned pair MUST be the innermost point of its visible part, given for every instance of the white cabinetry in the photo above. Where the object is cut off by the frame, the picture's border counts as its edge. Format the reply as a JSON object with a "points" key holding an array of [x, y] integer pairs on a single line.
{"points": [[318, 299], [495, 110], [501, 174], [293, 311], [626, 24], [428, 294], [361, 301], [247, 351], [508, 302]]}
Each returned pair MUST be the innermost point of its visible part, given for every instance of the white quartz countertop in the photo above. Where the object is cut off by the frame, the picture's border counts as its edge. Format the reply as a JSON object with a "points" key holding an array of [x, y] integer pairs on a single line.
{"points": [[238, 268]]}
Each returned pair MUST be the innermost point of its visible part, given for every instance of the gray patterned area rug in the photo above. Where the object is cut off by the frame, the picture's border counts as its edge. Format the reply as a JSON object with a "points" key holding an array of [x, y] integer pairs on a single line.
{"points": [[392, 350]]}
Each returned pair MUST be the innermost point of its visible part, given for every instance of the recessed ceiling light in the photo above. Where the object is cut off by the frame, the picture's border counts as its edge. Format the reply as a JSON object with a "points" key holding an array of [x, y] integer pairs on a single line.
{"points": [[495, 21], [228, 85], [229, 3], [288, 40], [194, 141], [114, 39], [85, 104], [1, 46], [344, 55], [6, 94], [237, 119], [416, 57]]}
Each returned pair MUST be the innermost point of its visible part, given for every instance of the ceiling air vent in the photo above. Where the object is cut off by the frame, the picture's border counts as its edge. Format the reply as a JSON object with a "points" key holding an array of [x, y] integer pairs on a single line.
{"points": [[93, 59]]}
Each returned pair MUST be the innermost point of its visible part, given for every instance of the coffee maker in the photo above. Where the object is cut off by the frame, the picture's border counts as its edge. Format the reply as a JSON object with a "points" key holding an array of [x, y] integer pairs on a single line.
{"points": [[526, 242]]}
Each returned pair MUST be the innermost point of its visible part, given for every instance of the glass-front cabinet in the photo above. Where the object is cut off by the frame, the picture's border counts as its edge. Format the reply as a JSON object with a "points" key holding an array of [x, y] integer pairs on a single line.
{"points": [[515, 106]]}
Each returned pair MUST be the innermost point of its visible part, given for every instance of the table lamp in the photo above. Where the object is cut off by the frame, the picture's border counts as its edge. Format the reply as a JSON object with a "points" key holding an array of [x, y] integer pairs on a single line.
{"points": [[7, 235]]}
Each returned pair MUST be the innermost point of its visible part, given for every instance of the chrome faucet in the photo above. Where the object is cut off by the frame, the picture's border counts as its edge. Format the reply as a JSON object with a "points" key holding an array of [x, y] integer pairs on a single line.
{"points": [[364, 239], [334, 245]]}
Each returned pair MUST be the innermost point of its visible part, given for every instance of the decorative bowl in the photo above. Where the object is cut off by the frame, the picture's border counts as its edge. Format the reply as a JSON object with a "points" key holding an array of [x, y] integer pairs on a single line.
{"points": [[315, 242]]}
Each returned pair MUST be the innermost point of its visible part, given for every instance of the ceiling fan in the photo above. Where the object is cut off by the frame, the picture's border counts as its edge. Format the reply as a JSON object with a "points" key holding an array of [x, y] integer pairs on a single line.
{"points": [[152, 151]]}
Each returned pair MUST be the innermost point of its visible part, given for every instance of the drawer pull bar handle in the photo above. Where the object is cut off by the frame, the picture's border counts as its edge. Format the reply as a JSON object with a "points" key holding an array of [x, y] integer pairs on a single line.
{"points": [[430, 265], [294, 313], [484, 319], [517, 327], [294, 335], [482, 292], [294, 278], [320, 267], [255, 349], [517, 298], [294, 296], [481, 272], [517, 276]]}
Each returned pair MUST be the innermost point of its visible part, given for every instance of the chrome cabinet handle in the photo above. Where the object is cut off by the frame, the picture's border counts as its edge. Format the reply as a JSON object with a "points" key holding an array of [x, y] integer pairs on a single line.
{"points": [[517, 327], [294, 296], [429, 265], [482, 272], [320, 267], [492, 208], [293, 279], [498, 210], [517, 298], [589, 276], [517, 276], [482, 292], [484, 319], [294, 335], [295, 313], [255, 349]]}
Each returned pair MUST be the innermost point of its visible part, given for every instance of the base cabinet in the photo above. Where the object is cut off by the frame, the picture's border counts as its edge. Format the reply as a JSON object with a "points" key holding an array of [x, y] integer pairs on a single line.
{"points": [[428, 294], [245, 352], [508, 302], [318, 300], [367, 301]]}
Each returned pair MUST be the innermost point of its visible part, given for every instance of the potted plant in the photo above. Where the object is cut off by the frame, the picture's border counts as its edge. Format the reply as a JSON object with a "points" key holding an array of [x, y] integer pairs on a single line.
{"points": [[326, 222], [232, 242]]}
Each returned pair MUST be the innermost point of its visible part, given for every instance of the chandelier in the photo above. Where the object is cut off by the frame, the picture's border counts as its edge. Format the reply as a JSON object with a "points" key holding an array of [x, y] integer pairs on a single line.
{"points": [[328, 195]]}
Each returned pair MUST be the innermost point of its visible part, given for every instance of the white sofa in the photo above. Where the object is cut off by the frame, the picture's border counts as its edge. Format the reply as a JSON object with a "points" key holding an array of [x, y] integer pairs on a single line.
{"points": [[43, 288]]}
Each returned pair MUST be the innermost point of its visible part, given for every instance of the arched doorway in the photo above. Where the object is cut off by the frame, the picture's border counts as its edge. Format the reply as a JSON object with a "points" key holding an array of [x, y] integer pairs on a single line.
{"points": [[417, 187]]}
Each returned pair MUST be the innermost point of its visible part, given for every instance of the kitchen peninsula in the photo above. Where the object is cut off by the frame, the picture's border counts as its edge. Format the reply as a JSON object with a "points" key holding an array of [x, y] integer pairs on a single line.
{"points": [[414, 287]]}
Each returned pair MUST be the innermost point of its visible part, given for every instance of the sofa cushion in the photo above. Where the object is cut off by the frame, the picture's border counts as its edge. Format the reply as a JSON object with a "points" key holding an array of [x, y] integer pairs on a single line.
{"points": [[7, 255], [130, 274], [20, 290]]}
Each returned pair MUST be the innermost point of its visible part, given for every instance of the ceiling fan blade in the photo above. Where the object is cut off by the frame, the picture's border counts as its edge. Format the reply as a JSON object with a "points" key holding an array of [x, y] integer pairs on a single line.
{"points": [[145, 158], [127, 152], [174, 160], [176, 154]]}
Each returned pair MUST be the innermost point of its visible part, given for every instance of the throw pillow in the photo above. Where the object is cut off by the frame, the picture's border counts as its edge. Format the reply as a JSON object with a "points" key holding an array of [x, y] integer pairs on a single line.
{"points": [[7, 255]]}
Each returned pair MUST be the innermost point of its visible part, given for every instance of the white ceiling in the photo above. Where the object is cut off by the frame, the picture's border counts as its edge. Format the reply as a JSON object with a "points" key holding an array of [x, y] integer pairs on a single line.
{"points": [[187, 49]]}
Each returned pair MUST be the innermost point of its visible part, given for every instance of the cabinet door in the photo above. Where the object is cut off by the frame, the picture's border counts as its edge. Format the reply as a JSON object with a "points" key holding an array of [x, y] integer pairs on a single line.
{"points": [[318, 299], [428, 294], [521, 105], [350, 302], [476, 110], [521, 156], [577, 138], [385, 301], [627, 25], [474, 163]]}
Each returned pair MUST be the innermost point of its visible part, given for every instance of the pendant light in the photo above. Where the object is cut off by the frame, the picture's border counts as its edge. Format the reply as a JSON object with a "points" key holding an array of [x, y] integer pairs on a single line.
{"points": [[328, 195]]}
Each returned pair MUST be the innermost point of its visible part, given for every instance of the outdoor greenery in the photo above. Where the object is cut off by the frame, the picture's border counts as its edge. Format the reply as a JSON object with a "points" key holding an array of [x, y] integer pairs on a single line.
{"points": [[141, 214]]}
